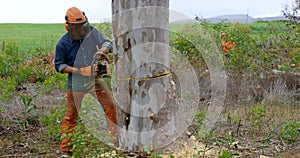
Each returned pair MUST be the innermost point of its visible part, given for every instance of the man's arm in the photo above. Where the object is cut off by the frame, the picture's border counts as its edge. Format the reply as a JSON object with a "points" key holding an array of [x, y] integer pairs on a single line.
{"points": [[106, 45], [71, 70], [61, 66]]}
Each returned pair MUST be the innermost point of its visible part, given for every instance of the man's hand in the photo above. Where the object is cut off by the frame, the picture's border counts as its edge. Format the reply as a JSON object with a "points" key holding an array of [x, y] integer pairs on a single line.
{"points": [[87, 71]]}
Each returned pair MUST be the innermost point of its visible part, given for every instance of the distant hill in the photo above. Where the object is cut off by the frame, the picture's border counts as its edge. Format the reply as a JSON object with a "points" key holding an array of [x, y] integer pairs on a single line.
{"points": [[232, 18], [272, 18]]}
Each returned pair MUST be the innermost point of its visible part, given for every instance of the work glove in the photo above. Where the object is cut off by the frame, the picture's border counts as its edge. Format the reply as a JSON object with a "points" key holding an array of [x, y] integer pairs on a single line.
{"points": [[87, 71]]}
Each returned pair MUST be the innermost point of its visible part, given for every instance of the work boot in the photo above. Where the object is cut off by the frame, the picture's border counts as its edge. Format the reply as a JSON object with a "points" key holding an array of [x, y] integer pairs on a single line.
{"points": [[66, 154]]}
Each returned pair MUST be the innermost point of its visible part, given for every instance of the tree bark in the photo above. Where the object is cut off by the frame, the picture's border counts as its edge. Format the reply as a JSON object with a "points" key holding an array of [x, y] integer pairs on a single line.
{"points": [[142, 88]]}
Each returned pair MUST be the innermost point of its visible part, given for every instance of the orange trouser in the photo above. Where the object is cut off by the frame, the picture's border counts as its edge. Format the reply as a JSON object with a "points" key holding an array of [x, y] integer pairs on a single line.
{"points": [[74, 99]]}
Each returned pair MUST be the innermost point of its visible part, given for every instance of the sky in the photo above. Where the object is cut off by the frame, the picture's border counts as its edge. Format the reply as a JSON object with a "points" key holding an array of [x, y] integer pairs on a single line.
{"points": [[53, 11]]}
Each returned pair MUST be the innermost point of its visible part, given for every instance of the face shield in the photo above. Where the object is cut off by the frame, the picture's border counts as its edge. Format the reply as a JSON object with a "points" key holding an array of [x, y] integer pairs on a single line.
{"points": [[79, 31]]}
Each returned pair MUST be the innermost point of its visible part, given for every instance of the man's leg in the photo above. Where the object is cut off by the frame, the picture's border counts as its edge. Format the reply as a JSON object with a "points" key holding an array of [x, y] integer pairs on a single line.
{"points": [[104, 96], [70, 119]]}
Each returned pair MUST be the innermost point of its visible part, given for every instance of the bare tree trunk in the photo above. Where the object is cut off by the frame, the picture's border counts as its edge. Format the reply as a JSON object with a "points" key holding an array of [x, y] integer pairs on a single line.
{"points": [[143, 89]]}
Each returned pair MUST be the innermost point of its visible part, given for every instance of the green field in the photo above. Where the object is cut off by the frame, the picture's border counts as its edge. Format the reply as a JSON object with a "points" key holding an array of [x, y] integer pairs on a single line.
{"points": [[31, 37]]}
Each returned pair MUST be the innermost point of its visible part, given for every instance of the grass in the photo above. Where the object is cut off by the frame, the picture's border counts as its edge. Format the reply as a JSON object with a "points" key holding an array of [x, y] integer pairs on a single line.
{"points": [[29, 37]]}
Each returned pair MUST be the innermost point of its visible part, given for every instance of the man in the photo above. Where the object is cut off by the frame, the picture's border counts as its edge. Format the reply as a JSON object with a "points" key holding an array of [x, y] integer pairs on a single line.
{"points": [[74, 54], [226, 45]]}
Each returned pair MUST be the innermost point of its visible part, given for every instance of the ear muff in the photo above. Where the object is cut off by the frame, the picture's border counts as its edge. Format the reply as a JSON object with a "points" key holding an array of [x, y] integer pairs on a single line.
{"points": [[66, 17], [67, 26]]}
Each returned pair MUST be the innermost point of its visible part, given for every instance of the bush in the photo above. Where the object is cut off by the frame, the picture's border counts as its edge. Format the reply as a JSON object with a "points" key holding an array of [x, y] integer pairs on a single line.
{"points": [[7, 88], [290, 131], [57, 80], [53, 122]]}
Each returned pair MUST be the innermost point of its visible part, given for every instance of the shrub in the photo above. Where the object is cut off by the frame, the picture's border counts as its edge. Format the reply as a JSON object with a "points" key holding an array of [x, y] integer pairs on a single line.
{"points": [[29, 113], [7, 88], [53, 122], [290, 131]]}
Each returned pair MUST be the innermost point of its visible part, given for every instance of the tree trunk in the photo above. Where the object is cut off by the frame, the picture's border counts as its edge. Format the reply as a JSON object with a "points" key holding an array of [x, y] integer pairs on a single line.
{"points": [[142, 88]]}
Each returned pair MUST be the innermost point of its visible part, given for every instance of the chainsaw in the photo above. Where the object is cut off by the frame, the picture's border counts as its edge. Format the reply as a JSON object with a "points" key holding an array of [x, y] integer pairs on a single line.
{"points": [[99, 65]]}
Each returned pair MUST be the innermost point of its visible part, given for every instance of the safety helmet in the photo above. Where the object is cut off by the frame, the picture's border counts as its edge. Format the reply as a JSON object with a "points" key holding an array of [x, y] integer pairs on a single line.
{"points": [[74, 15], [77, 23]]}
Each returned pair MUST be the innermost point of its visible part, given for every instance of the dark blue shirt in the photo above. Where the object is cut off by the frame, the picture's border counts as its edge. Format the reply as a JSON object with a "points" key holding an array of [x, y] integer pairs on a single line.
{"points": [[78, 54]]}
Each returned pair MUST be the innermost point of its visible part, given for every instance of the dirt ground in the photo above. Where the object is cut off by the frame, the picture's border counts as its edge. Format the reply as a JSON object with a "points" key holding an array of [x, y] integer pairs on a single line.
{"points": [[15, 141]]}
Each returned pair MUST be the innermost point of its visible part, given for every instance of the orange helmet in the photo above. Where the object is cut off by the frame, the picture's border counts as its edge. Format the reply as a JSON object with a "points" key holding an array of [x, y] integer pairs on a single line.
{"points": [[77, 24], [74, 15]]}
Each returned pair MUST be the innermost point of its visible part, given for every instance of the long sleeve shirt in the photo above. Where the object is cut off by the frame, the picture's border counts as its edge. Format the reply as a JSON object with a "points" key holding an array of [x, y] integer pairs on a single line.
{"points": [[78, 54]]}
